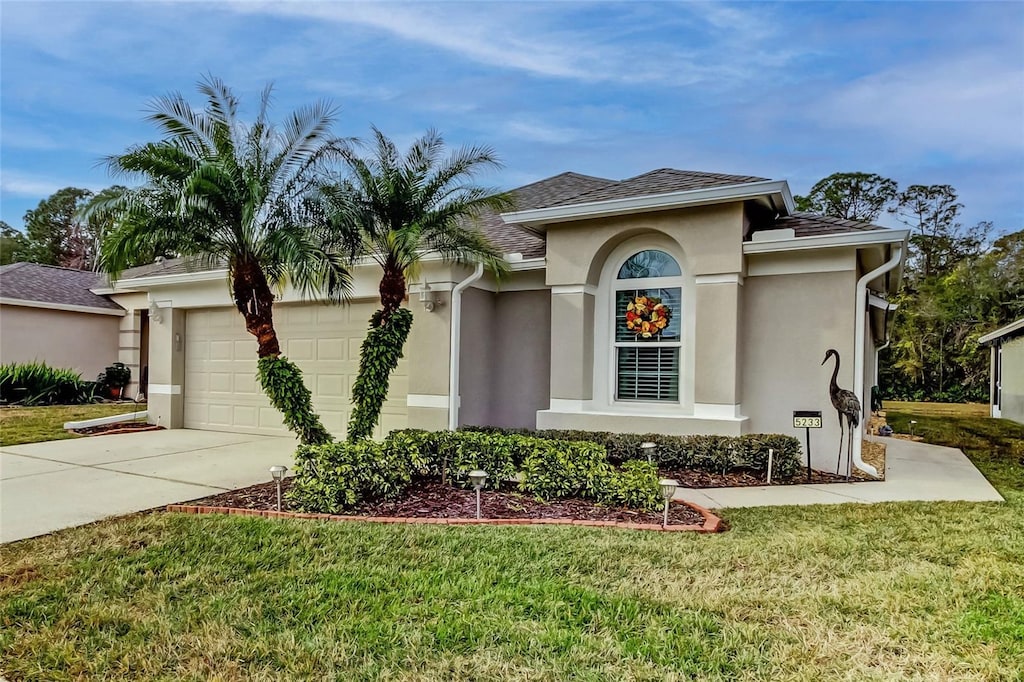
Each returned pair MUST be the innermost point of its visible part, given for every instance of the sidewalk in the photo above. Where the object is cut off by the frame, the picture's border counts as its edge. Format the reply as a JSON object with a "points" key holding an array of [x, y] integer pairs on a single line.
{"points": [[913, 471]]}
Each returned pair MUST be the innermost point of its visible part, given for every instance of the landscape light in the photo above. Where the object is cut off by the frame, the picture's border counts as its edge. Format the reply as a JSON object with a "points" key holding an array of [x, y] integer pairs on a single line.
{"points": [[648, 448], [477, 478], [277, 473], [668, 489], [913, 423]]}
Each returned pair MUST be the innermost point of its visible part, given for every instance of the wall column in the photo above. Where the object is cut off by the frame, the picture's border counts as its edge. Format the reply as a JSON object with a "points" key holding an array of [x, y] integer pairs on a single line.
{"points": [[129, 349], [167, 369], [429, 353], [717, 366], [572, 346]]}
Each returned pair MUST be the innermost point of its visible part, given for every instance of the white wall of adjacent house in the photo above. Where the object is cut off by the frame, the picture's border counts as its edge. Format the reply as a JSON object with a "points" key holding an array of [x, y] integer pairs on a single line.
{"points": [[82, 341]]}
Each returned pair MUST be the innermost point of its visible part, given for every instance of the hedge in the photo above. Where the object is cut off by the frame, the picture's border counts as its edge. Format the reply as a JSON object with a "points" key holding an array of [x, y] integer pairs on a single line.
{"points": [[339, 476], [718, 454]]}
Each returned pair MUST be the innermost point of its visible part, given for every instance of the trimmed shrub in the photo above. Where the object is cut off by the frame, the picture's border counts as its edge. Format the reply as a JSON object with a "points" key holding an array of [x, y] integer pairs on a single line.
{"points": [[718, 454], [335, 477], [282, 381], [36, 383]]}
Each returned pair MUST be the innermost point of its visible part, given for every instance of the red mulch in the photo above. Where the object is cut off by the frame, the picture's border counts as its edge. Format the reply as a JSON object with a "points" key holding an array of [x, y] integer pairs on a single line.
{"points": [[740, 478], [120, 427], [430, 499]]}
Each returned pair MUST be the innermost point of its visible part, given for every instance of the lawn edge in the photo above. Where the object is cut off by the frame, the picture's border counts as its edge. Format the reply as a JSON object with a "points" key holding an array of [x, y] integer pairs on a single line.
{"points": [[712, 523]]}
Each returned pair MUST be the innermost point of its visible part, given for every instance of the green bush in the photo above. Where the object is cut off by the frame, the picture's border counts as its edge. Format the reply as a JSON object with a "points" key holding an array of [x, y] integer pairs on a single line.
{"points": [[282, 381], [36, 383], [717, 454], [335, 477]]}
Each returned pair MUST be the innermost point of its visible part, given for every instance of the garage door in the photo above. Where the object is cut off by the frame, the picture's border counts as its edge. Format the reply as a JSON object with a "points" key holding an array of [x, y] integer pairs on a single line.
{"points": [[221, 392]]}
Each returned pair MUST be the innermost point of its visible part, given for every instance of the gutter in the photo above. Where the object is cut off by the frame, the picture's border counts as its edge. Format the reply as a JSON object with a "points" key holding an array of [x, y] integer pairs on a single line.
{"points": [[858, 353], [456, 338]]}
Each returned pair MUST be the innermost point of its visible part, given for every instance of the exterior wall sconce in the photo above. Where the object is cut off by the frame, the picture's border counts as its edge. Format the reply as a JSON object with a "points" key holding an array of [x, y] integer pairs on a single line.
{"points": [[154, 313], [428, 301]]}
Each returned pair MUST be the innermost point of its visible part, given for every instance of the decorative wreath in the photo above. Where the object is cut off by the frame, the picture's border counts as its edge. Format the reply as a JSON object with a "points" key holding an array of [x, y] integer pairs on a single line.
{"points": [[647, 316]]}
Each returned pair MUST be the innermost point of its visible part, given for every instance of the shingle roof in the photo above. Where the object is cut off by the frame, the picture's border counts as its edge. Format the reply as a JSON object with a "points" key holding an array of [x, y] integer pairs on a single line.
{"points": [[810, 225], [50, 284], [660, 181], [170, 266], [514, 238]]}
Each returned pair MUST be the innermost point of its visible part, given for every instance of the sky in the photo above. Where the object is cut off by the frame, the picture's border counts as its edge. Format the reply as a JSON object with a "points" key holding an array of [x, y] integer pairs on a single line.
{"points": [[924, 93]]}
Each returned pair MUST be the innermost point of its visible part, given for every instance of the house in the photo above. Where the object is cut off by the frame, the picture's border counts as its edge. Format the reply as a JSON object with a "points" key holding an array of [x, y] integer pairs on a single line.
{"points": [[1006, 386], [755, 294], [49, 314]]}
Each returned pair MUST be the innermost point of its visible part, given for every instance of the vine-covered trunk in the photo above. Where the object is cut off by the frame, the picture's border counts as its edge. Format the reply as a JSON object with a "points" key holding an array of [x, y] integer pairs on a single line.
{"points": [[255, 301], [280, 378]]}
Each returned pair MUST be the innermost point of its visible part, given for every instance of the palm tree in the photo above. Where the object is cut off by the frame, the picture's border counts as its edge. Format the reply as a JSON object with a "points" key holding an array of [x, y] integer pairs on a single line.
{"points": [[397, 208], [221, 191]]}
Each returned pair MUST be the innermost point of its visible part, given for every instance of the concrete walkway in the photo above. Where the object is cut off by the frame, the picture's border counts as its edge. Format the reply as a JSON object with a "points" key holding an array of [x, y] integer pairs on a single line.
{"points": [[48, 486], [913, 471]]}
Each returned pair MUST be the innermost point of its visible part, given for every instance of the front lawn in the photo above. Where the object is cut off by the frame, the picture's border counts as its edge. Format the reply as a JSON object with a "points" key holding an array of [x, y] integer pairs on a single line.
{"points": [[36, 424], [889, 591]]}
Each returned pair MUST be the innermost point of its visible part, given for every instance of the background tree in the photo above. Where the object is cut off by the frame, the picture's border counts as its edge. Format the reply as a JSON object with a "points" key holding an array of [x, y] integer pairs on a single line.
{"points": [[14, 245], [853, 196], [396, 208], [938, 240], [58, 234], [220, 190]]}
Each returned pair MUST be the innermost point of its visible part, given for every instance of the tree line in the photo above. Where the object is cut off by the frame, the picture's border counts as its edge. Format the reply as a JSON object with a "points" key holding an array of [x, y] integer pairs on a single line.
{"points": [[960, 282]]}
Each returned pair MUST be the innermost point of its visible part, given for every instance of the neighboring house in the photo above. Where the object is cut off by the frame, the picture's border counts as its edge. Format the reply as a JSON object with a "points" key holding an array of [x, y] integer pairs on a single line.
{"points": [[1006, 386], [49, 314], [757, 294]]}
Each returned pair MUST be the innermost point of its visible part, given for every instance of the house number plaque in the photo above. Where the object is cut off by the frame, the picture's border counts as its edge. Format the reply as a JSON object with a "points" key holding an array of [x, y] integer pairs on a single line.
{"points": [[807, 420]]}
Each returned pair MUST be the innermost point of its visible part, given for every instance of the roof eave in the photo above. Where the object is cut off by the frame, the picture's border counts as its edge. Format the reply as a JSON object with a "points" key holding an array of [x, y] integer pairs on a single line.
{"points": [[828, 241], [65, 307], [777, 191], [1002, 331]]}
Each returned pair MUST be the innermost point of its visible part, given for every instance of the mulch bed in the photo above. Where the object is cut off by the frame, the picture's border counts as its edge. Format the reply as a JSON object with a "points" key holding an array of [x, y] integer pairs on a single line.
{"points": [[740, 478], [120, 427], [430, 499]]}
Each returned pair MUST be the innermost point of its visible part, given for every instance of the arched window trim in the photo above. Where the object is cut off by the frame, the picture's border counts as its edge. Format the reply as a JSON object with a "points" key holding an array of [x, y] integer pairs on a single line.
{"points": [[605, 347]]}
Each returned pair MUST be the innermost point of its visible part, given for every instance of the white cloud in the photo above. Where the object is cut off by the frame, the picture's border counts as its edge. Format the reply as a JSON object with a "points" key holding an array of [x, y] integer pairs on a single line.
{"points": [[536, 131], [968, 106], [30, 185]]}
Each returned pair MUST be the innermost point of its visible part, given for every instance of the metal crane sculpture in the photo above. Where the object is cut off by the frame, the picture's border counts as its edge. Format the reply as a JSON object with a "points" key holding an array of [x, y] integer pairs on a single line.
{"points": [[847, 405]]}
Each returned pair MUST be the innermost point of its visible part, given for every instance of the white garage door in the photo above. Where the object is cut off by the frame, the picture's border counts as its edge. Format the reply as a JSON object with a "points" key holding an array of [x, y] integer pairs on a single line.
{"points": [[221, 390]]}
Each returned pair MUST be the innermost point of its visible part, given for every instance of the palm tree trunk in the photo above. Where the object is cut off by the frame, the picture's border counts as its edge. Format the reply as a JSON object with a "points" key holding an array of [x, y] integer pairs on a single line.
{"points": [[392, 291], [255, 301]]}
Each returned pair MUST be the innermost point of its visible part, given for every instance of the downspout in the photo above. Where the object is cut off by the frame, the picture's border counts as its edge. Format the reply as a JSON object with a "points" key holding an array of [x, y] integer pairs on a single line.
{"points": [[858, 354], [456, 338]]}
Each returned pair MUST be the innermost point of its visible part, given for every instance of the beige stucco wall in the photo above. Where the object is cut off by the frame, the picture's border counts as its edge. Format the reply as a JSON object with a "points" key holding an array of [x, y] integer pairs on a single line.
{"points": [[1012, 406], [84, 342], [790, 321], [477, 353]]}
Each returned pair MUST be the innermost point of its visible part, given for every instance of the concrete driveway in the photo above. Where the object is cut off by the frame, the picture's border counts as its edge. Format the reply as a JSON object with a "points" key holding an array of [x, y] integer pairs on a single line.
{"points": [[48, 486]]}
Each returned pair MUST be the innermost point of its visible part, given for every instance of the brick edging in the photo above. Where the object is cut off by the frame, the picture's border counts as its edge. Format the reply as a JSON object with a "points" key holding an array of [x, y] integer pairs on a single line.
{"points": [[114, 432], [712, 523]]}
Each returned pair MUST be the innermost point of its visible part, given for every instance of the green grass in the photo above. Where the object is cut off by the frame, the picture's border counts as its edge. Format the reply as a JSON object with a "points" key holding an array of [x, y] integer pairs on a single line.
{"points": [[879, 592], [36, 424], [979, 410]]}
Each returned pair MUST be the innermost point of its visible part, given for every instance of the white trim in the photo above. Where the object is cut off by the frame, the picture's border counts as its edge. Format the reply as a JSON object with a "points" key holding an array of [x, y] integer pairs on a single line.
{"points": [[439, 402], [588, 289], [112, 419], [176, 278], [164, 389], [655, 202], [1002, 331], [567, 405], [61, 306], [717, 411], [826, 241], [528, 264], [725, 278]]}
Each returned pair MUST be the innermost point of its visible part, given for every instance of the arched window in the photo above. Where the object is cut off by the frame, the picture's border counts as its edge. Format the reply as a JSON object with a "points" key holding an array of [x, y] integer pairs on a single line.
{"points": [[647, 327]]}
